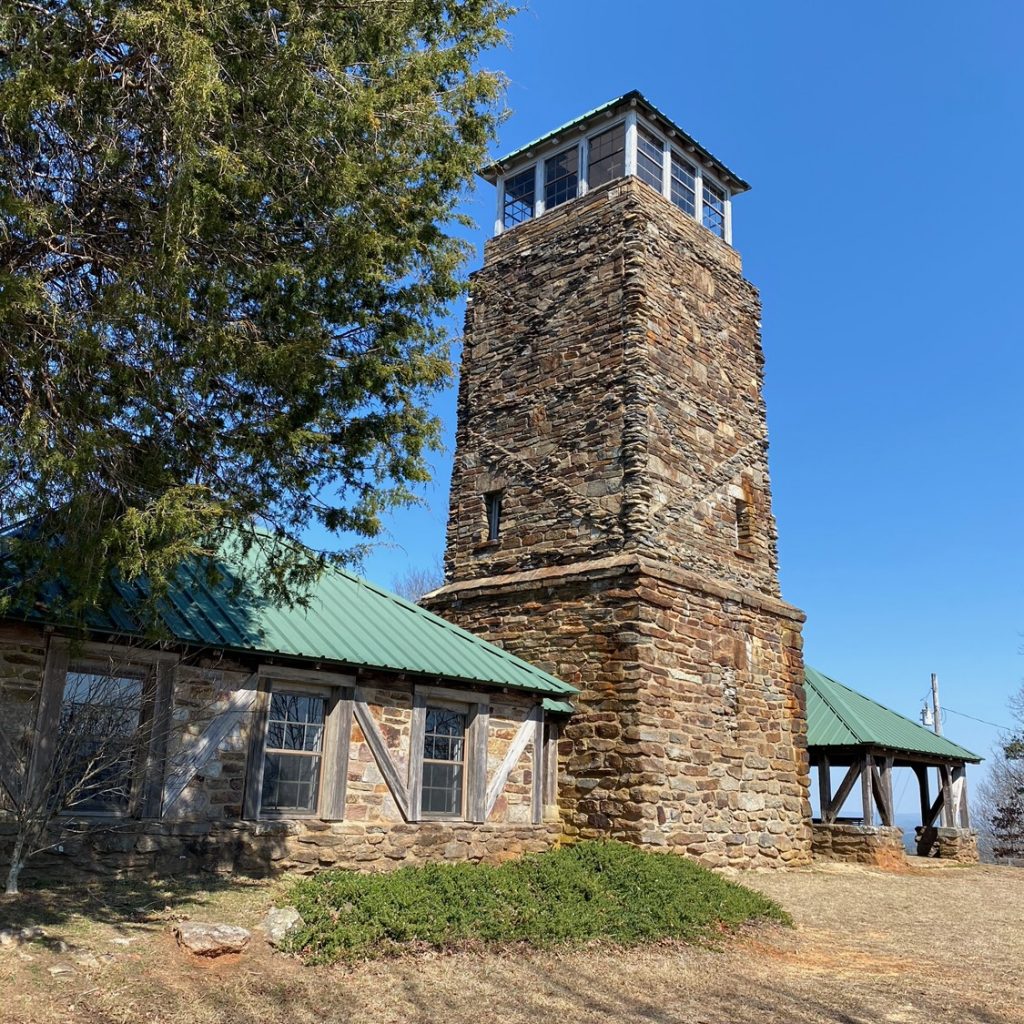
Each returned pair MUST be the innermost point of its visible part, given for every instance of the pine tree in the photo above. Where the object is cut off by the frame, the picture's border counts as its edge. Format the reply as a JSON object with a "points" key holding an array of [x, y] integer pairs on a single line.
{"points": [[228, 239]]}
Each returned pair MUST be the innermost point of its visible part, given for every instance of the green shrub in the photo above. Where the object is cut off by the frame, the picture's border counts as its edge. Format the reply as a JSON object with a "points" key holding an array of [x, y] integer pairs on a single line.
{"points": [[572, 895]]}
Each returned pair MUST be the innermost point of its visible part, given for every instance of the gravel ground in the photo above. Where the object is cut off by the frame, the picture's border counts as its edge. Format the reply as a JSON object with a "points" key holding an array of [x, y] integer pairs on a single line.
{"points": [[932, 944]]}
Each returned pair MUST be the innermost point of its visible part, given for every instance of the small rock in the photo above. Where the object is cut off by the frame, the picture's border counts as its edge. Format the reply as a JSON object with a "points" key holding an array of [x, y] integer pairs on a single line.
{"points": [[30, 933], [202, 939], [9, 937], [60, 946], [86, 959], [281, 922], [124, 940], [60, 970]]}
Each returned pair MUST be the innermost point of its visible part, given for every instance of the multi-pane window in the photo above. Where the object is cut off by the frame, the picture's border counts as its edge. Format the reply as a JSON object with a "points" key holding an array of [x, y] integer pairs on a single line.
{"points": [[561, 174], [714, 208], [291, 764], [648, 158], [607, 156], [444, 761], [100, 714], [684, 184], [492, 505], [520, 192]]}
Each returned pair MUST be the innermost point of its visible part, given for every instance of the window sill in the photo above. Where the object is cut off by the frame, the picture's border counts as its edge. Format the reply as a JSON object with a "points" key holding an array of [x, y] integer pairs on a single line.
{"points": [[486, 545], [746, 555]]}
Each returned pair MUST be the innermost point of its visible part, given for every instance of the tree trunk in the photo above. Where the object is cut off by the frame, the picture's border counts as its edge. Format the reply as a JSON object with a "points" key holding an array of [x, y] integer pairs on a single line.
{"points": [[17, 863]]}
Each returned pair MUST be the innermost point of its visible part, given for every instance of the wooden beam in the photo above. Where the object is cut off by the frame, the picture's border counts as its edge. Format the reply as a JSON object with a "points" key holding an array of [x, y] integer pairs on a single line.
{"points": [[933, 811], [256, 749], [852, 774], [51, 693], [159, 736], [921, 771], [965, 810], [551, 765], [476, 783], [866, 785], [515, 750], [882, 786], [195, 755], [417, 733], [824, 785], [382, 755], [537, 797], [336, 742], [947, 796]]}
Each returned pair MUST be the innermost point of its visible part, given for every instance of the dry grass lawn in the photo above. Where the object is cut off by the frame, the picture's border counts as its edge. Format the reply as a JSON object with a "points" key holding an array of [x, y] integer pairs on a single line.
{"points": [[934, 944]]}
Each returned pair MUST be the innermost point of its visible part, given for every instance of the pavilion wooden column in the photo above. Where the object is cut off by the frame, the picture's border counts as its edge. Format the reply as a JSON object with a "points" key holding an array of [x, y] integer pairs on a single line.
{"points": [[866, 786], [824, 786], [921, 771]]}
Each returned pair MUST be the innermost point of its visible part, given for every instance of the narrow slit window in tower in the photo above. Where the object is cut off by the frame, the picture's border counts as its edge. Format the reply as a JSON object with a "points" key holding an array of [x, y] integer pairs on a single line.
{"points": [[492, 504], [744, 526]]}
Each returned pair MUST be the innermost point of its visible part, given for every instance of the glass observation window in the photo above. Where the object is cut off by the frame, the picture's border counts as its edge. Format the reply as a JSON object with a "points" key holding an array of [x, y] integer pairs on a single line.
{"points": [[444, 761], [520, 198], [684, 184], [291, 763], [607, 156], [714, 208], [648, 158], [100, 714], [561, 173]]}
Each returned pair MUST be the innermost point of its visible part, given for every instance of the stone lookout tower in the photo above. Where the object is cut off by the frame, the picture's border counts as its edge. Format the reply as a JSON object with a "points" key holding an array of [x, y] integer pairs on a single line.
{"points": [[611, 515]]}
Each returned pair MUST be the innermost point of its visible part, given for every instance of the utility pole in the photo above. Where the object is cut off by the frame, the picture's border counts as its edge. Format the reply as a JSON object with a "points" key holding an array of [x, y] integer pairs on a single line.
{"points": [[945, 783]]}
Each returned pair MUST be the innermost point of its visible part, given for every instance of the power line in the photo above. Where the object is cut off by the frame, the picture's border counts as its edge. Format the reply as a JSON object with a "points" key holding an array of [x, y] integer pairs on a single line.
{"points": [[973, 719]]}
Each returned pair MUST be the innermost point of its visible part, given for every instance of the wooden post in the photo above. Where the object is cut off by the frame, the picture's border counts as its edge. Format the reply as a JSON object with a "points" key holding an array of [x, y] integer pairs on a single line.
{"points": [[824, 786], [47, 715], [845, 788], [921, 771], [965, 810], [866, 785], [948, 819]]}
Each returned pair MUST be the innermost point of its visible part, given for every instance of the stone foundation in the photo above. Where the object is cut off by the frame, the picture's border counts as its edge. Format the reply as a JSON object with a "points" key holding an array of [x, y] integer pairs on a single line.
{"points": [[877, 845], [180, 848], [956, 844]]}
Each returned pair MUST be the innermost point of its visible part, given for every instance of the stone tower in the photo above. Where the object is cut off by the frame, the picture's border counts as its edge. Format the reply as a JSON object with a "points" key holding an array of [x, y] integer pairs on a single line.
{"points": [[611, 513]]}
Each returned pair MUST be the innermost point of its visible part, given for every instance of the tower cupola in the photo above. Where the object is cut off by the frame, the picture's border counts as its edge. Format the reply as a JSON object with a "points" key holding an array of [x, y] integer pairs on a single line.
{"points": [[627, 137]]}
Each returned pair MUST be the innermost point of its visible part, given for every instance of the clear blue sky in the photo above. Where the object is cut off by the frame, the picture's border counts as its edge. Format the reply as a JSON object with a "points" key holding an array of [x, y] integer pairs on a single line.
{"points": [[884, 143]]}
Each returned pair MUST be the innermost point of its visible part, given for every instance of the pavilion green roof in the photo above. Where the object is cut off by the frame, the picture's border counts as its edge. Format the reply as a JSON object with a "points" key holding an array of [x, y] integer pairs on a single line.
{"points": [[840, 717]]}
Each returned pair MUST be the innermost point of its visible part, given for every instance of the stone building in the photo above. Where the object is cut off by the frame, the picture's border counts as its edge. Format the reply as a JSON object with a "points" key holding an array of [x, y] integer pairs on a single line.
{"points": [[611, 515], [360, 731]]}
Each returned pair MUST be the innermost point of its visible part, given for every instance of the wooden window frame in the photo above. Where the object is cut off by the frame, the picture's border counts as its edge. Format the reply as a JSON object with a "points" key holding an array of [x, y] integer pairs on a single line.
{"points": [[338, 692], [156, 670], [465, 709]]}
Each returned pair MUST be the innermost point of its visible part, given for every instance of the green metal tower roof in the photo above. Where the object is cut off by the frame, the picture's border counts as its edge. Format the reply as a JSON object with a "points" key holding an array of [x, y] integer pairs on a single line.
{"points": [[840, 717]]}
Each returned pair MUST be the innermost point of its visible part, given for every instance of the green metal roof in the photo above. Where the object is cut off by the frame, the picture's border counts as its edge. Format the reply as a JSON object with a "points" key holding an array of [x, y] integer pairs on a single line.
{"points": [[345, 620], [840, 717], [736, 183]]}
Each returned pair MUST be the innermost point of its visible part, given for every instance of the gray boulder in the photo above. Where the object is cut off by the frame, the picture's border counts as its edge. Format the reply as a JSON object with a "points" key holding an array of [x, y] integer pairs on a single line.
{"points": [[281, 922], [203, 939]]}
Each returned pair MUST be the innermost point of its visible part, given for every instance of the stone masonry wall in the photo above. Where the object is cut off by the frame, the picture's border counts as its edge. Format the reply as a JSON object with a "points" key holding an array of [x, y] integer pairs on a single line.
{"points": [[690, 728], [877, 845], [611, 389]]}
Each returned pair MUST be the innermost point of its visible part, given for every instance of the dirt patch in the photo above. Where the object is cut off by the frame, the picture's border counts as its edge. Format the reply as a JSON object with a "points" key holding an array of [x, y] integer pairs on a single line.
{"points": [[868, 946]]}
